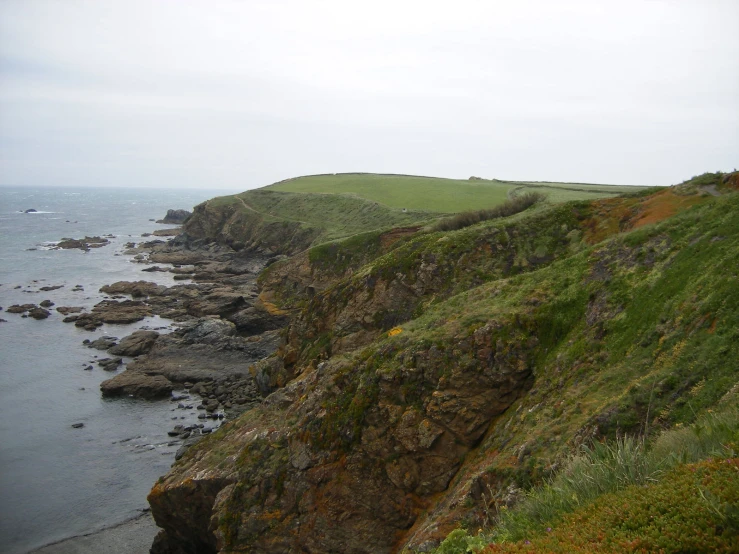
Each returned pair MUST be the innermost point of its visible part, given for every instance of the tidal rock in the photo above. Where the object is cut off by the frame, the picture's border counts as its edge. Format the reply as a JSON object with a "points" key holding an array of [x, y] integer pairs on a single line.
{"points": [[135, 344], [66, 310], [111, 311], [77, 425], [20, 308], [82, 244], [39, 313], [167, 232], [137, 384], [46, 304], [110, 364], [103, 343], [31, 211], [51, 287], [137, 289]]}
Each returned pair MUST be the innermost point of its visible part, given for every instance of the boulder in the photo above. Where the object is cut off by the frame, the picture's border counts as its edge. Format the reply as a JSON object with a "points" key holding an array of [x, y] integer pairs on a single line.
{"points": [[66, 310], [137, 384], [110, 364], [135, 344], [137, 289], [39, 313], [20, 308], [103, 343]]}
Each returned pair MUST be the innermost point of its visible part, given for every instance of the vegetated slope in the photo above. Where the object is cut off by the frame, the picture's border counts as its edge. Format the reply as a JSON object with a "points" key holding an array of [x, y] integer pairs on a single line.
{"points": [[440, 195], [495, 369], [290, 216]]}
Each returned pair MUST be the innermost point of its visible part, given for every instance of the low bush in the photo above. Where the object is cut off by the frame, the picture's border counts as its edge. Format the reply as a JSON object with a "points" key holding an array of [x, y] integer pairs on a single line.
{"points": [[507, 208]]}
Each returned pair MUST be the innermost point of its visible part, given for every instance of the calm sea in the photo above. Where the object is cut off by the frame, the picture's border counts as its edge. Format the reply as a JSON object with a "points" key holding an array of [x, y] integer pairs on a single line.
{"points": [[57, 481]]}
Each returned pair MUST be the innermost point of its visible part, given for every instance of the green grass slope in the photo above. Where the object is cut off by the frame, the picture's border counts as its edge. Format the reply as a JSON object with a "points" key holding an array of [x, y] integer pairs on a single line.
{"points": [[289, 216], [629, 332], [435, 194]]}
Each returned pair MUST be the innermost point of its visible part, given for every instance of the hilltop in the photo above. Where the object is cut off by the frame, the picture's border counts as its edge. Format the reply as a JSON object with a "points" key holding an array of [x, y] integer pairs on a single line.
{"points": [[427, 379], [292, 215]]}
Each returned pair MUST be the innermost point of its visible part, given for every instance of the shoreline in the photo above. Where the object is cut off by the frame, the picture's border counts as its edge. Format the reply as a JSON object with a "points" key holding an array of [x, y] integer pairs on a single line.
{"points": [[132, 536], [224, 317]]}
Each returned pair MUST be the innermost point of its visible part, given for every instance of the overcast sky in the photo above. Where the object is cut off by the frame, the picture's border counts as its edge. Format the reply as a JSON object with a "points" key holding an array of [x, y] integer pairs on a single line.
{"points": [[241, 94]]}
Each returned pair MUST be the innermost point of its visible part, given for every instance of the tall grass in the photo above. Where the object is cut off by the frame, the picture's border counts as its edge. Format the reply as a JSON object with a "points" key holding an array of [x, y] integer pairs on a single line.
{"points": [[507, 208], [603, 468], [608, 467]]}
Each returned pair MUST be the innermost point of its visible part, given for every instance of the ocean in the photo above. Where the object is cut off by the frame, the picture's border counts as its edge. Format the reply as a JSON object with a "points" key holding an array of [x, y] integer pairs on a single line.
{"points": [[57, 481]]}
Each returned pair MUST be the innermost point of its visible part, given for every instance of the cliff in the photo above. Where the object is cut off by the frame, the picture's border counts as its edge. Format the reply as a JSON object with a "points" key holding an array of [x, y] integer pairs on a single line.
{"points": [[429, 377]]}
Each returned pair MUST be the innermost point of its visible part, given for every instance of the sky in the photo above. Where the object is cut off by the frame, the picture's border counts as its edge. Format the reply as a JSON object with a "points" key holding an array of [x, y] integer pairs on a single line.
{"points": [[240, 94]]}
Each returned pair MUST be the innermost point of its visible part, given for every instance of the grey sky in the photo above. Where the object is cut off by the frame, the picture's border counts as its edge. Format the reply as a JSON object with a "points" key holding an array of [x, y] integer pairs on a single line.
{"points": [[242, 94]]}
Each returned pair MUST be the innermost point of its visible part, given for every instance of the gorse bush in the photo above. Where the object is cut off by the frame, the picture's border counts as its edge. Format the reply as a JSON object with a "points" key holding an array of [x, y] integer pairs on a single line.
{"points": [[508, 208]]}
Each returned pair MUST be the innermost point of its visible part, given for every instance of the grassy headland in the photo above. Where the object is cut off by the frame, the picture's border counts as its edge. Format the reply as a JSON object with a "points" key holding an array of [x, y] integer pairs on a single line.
{"points": [[438, 377], [315, 209]]}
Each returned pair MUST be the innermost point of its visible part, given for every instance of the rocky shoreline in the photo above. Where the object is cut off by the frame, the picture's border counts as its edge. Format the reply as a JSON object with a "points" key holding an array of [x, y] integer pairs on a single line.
{"points": [[223, 329]]}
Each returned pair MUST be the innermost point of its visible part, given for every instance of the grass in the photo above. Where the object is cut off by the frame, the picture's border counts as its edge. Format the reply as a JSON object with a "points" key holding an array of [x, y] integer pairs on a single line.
{"points": [[311, 210], [625, 493], [440, 195], [624, 316]]}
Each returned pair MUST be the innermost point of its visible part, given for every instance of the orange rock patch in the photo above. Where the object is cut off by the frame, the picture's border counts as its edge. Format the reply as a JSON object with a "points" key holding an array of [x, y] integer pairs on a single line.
{"points": [[662, 205]]}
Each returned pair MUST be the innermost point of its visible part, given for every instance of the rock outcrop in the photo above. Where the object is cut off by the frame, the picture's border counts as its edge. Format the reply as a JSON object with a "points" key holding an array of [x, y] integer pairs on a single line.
{"points": [[175, 216]]}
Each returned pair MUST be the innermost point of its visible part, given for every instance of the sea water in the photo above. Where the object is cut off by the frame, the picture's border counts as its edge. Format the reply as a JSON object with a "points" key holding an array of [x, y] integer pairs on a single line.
{"points": [[57, 481]]}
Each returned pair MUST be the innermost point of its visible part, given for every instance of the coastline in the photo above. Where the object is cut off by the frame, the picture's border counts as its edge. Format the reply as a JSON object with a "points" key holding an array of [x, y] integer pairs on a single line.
{"points": [[133, 536]]}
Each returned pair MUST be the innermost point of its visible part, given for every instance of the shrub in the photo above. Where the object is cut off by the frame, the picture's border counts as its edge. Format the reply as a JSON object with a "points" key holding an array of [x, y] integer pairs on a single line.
{"points": [[507, 208]]}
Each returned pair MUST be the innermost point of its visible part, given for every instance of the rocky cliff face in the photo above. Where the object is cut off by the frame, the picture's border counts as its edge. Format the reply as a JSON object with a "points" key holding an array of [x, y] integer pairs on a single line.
{"points": [[240, 228], [348, 454], [422, 386]]}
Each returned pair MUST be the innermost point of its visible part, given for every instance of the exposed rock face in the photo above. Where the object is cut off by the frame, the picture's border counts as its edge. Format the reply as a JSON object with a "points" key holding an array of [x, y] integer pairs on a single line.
{"points": [[367, 459], [243, 229], [343, 316], [175, 216]]}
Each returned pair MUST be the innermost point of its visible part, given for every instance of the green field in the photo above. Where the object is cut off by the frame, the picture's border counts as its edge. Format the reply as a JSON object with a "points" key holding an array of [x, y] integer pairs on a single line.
{"points": [[439, 195]]}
